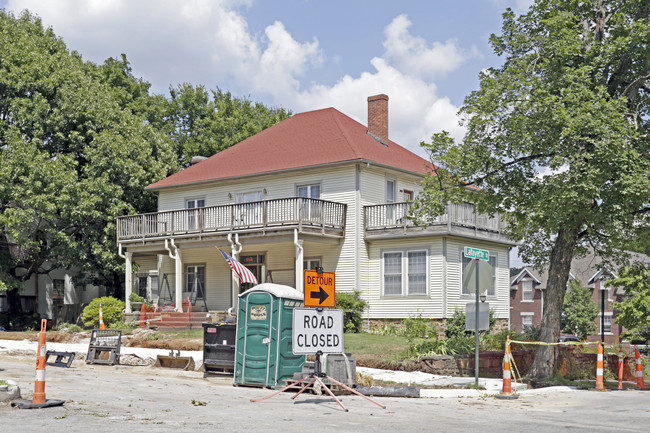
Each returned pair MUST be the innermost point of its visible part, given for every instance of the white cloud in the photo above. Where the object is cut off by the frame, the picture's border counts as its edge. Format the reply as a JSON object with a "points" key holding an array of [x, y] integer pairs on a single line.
{"points": [[208, 42], [414, 55]]}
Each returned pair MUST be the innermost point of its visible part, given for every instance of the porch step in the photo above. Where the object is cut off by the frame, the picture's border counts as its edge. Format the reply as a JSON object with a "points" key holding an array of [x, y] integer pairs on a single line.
{"points": [[169, 320]]}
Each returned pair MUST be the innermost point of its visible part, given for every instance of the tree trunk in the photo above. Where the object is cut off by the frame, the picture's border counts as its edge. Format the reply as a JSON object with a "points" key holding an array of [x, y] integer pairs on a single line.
{"points": [[558, 276]]}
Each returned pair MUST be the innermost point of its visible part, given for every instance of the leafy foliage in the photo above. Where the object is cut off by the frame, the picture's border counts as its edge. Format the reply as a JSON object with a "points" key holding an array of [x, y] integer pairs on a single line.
{"points": [[557, 138], [419, 327], [111, 311], [579, 311], [79, 142], [634, 311], [352, 306]]}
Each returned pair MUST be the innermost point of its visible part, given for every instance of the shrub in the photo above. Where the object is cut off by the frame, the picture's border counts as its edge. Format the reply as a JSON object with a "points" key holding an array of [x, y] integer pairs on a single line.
{"points": [[70, 327], [352, 306], [456, 325], [419, 327], [111, 309], [134, 297]]}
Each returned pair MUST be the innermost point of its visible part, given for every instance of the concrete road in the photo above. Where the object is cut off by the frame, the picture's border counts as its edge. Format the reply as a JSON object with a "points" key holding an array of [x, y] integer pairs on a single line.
{"points": [[143, 399]]}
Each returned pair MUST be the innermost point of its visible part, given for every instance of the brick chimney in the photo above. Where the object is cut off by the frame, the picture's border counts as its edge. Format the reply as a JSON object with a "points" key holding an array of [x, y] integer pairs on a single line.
{"points": [[378, 117]]}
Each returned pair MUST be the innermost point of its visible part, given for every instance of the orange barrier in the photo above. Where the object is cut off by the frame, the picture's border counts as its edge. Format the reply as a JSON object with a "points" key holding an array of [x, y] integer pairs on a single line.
{"points": [[600, 382], [41, 358], [506, 391], [639, 369], [101, 317], [620, 367], [143, 315]]}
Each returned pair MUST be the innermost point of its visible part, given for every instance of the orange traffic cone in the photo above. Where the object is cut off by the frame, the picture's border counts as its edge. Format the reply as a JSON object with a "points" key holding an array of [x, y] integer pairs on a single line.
{"points": [[506, 391], [620, 367], [101, 317], [38, 400], [600, 383], [639, 369], [41, 357]]}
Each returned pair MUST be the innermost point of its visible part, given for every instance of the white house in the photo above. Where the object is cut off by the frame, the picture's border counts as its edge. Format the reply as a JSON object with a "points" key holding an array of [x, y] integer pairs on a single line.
{"points": [[317, 189]]}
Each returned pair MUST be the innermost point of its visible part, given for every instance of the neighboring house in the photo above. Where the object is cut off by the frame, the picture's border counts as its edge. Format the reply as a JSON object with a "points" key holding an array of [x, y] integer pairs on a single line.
{"points": [[317, 189], [527, 291], [54, 296], [526, 300]]}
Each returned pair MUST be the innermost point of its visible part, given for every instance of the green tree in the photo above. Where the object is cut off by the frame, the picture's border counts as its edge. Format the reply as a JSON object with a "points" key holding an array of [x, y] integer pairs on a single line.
{"points": [[578, 311], [203, 122], [557, 137], [634, 311], [72, 159]]}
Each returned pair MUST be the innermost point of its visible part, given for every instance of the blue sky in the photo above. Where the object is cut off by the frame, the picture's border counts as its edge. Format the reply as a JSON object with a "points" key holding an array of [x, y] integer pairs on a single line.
{"points": [[298, 54]]}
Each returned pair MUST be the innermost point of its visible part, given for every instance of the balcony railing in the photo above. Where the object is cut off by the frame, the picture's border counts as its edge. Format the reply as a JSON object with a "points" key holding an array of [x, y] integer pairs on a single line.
{"points": [[297, 212], [396, 215]]}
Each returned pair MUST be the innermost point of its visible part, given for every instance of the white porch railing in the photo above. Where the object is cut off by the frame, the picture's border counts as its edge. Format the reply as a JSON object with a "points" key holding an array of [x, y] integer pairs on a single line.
{"points": [[396, 215], [295, 211]]}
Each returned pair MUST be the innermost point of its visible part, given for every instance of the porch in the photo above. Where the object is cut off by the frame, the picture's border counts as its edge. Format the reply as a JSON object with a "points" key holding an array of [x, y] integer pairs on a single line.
{"points": [[307, 215], [392, 220]]}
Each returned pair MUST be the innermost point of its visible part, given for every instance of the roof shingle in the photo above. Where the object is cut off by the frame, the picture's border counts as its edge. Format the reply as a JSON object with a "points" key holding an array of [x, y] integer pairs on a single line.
{"points": [[307, 139]]}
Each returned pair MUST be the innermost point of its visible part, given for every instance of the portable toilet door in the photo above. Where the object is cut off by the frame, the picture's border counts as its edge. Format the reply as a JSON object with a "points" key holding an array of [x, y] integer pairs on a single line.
{"points": [[263, 321]]}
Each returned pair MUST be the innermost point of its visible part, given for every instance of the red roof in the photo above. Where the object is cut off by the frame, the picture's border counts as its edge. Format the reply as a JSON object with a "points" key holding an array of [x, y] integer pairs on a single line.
{"points": [[304, 140]]}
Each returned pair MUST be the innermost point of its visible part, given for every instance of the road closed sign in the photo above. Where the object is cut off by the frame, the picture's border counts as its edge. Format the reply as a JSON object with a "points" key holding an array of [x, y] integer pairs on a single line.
{"points": [[315, 331]]}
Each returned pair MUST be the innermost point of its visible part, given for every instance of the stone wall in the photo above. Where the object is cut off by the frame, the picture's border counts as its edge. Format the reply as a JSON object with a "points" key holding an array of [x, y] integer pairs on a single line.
{"points": [[573, 364]]}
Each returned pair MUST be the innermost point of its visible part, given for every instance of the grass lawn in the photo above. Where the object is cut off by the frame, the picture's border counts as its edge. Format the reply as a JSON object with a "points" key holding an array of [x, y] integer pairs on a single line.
{"points": [[388, 346]]}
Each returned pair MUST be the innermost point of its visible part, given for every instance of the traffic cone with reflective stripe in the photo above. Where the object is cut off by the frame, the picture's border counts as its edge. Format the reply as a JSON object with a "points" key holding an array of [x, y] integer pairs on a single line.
{"points": [[620, 367], [600, 383], [506, 391], [38, 400], [101, 317], [41, 357], [639, 369]]}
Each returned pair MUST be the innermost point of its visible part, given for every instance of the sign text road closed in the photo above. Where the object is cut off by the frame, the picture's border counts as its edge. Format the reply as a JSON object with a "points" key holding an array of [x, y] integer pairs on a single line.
{"points": [[319, 289], [315, 330]]}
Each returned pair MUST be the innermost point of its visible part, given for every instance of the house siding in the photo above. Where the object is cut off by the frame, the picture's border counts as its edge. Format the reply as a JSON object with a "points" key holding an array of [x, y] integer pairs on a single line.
{"points": [[500, 302]]}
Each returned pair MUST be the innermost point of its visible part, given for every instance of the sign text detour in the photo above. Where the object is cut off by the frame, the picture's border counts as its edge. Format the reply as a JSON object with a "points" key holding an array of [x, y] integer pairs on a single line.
{"points": [[315, 331]]}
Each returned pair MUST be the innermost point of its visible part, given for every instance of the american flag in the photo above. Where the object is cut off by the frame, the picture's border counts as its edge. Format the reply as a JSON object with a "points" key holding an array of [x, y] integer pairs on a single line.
{"points": [[245, 276]]}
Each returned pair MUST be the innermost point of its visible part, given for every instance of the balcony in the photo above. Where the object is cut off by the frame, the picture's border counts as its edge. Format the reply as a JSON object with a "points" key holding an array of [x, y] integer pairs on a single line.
{"points": [[392, 220], [305, 214]]}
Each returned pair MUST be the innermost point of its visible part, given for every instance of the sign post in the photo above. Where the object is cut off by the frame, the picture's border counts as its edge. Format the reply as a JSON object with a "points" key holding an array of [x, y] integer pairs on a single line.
{"points": [[476, 255], [318, 331]]}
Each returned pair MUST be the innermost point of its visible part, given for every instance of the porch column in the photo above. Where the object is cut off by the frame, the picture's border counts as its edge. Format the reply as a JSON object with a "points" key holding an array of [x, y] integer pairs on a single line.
{"points": [[299, 265], [128, 279], [179, 279]]}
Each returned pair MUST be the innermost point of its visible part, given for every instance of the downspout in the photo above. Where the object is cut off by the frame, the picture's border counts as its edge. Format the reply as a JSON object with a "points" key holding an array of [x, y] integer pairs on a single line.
{"points": [[178, 272], [128, 275], [235, 253], [299, 261]]}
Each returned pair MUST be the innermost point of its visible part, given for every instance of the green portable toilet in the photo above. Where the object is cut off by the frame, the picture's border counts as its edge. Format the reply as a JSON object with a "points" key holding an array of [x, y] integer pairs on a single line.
{"points": [[263, 355]]}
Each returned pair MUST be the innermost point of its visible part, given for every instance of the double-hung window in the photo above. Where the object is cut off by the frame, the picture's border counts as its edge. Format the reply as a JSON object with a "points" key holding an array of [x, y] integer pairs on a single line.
{"points": [[492, 261], [404, 272], [527, 290]]}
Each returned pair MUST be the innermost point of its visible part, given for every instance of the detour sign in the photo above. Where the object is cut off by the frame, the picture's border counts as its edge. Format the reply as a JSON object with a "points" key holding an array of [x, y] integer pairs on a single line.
{"points": [[319, 289]]}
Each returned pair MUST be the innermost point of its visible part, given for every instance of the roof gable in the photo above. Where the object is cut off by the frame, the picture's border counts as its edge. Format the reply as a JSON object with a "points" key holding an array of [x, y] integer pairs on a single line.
{"points": [[310, 139]]}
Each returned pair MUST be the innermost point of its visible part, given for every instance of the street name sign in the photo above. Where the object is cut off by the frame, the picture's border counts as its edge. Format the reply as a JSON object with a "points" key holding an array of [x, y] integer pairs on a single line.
{"points": [[319, 289], [475, 253], [317, 330]]}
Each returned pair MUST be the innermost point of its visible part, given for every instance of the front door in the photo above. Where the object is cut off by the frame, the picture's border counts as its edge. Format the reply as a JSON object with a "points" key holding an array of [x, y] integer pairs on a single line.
{"points": [[310, 209]]}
